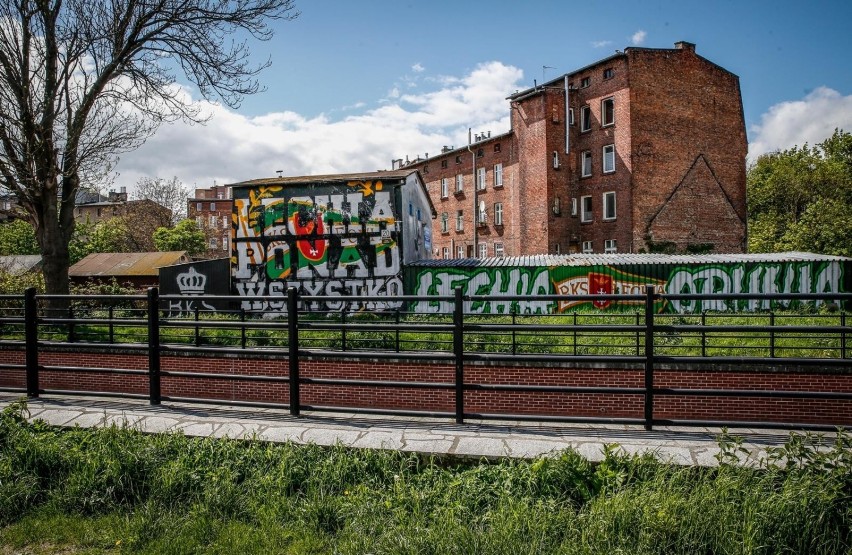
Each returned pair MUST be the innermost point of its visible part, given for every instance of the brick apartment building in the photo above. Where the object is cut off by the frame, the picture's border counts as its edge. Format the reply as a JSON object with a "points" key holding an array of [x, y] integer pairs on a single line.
{"points": [[93, 207], [211, 209], [641, 151]]}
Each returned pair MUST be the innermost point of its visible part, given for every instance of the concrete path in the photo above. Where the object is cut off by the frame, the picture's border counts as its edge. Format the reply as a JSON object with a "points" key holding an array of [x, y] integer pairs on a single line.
{"points": [[689, 446]]}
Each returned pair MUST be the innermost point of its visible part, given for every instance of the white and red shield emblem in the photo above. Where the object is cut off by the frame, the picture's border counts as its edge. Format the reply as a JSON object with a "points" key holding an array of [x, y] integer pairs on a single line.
{"points": [[600, 284]]}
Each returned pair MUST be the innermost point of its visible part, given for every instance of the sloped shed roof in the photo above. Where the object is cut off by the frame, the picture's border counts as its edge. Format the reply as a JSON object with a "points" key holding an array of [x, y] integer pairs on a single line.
{"points": [[126, 263]]}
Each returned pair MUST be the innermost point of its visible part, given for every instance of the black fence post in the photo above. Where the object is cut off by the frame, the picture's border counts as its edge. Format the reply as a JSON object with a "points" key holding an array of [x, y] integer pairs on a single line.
{"points": [[71, 336], [843, 334], [293, 344], [458, 351], [771, 334], [154, 392], [197, 332], [111, 326], [31, 336], [242, 328], [649, 357], [397, 329], [343, 329]]}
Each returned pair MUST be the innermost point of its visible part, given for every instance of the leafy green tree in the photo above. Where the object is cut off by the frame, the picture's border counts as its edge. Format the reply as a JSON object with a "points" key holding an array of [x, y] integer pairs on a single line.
{"points": [[801, 198], [185, 236], [18, 237]]}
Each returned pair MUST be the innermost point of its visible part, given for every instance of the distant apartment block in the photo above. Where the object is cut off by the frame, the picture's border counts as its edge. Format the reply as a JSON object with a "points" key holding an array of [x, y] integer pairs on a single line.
{"points": [[211, 209], [643, 151]]}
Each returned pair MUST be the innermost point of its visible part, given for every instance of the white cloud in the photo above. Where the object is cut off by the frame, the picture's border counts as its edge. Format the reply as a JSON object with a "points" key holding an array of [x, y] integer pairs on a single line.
{"points": [[600, 43], [418, 68], [809, 120], [232, 147], [638, 37]]}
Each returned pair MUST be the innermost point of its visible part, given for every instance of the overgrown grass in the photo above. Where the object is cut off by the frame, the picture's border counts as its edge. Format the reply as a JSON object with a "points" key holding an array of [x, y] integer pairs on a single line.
{"points": [[828, 334], [117, 490]]}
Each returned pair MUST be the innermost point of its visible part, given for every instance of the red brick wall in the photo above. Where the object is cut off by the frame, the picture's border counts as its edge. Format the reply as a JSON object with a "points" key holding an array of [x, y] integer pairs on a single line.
{"points": [[684, 109], [831, 412]]}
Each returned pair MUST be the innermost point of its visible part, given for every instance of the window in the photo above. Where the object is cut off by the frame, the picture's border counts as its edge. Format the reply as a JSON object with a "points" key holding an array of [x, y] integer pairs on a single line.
{"points": [[496, 147], [419, 215], [585, 82], [446, 253], [213, 220], [225, 222], [587, 247], [224, 243], [609, 205], [458, 159], [609, 158], [498, 213], [443, 163], [212, 242], [571, 116], [480, 179], [445, 187], [212, 206], [459, 183], [498, 250], [574, 206], [445, 222], [410, 209], [219, 196], [198, 207], [199, 221], [608, 73], [557, 249], [585, 118], [460, 251], [498, 175], [482, 218], [586, 163], [480, 153], [607, 112], [609, 246], [459, 220], [586, 209], [483, 250]]}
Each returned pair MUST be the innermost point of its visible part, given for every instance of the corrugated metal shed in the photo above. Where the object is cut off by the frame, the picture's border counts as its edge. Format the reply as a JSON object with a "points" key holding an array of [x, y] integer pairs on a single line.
{"points": [[550, 260], [124, 264]]}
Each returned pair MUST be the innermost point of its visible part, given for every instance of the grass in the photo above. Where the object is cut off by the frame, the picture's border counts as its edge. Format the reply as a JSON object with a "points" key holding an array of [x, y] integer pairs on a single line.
{"points": [[115, 490], [679, 335]]}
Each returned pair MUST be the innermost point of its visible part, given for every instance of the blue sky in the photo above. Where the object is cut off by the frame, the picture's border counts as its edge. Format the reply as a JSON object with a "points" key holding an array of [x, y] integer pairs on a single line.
{"points": [[354, 84]]}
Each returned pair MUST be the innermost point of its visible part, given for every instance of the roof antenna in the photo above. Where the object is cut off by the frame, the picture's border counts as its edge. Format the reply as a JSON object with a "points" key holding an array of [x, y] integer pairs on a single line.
{"points": [[280, 173], [543, 70]]}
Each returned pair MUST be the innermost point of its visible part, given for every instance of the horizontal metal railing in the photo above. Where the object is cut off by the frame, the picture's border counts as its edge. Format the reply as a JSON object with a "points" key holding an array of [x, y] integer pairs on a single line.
{"points": [[639, 337]]}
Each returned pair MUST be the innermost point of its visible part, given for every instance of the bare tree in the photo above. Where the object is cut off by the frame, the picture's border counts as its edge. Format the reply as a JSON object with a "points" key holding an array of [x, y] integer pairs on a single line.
{"points": [[169, 193], [84, 80]]}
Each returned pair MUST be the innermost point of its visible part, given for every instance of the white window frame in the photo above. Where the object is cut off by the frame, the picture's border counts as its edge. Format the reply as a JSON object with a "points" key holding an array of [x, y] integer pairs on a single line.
{"points": [[585, 118], [212, 206], [608, 167], [459, 183], [604, 122], [225, 222], [460, 251], [609, 198], [483, 250], [499, 252], [587, 247], [445, 222], [570, 116], [199, 221], [459, 220], [498, 175], [480, 179], [198, 207], [586, 163], [225, 243], [574, 206], [585, 82], [498, 213], [445, 187], [610, 246], [445, 252], [213, 221], [586, 214], [212, 243]]}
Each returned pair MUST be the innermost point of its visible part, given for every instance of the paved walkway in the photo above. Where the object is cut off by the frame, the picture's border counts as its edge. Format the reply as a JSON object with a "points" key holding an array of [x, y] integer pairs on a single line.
{"points": [[690, 446]]}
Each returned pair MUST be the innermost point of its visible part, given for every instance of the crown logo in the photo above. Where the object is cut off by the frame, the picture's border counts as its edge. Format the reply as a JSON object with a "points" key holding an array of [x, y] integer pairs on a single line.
{"points": [[191, 282]]}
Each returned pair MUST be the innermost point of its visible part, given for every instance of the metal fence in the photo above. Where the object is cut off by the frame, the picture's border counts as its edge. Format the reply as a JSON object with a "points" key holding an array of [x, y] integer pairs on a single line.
{"points": [[815, 333]]}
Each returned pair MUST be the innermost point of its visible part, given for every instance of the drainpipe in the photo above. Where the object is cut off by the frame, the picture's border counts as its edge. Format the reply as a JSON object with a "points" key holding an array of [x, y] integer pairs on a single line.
{"points": [[475, 204], [567, 116]]}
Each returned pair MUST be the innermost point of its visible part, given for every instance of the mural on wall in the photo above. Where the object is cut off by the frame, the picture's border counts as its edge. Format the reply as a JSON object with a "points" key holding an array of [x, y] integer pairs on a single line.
{"points": [[333, 240], [191, 281], [759, 277]]}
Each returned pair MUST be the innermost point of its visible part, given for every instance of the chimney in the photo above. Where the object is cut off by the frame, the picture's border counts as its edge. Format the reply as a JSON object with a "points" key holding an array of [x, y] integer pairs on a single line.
{"points": [[683, 45]]}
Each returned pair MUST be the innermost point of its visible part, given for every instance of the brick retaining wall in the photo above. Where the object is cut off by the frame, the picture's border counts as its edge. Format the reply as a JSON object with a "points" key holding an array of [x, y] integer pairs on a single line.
{"points": [[821, 411]]}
